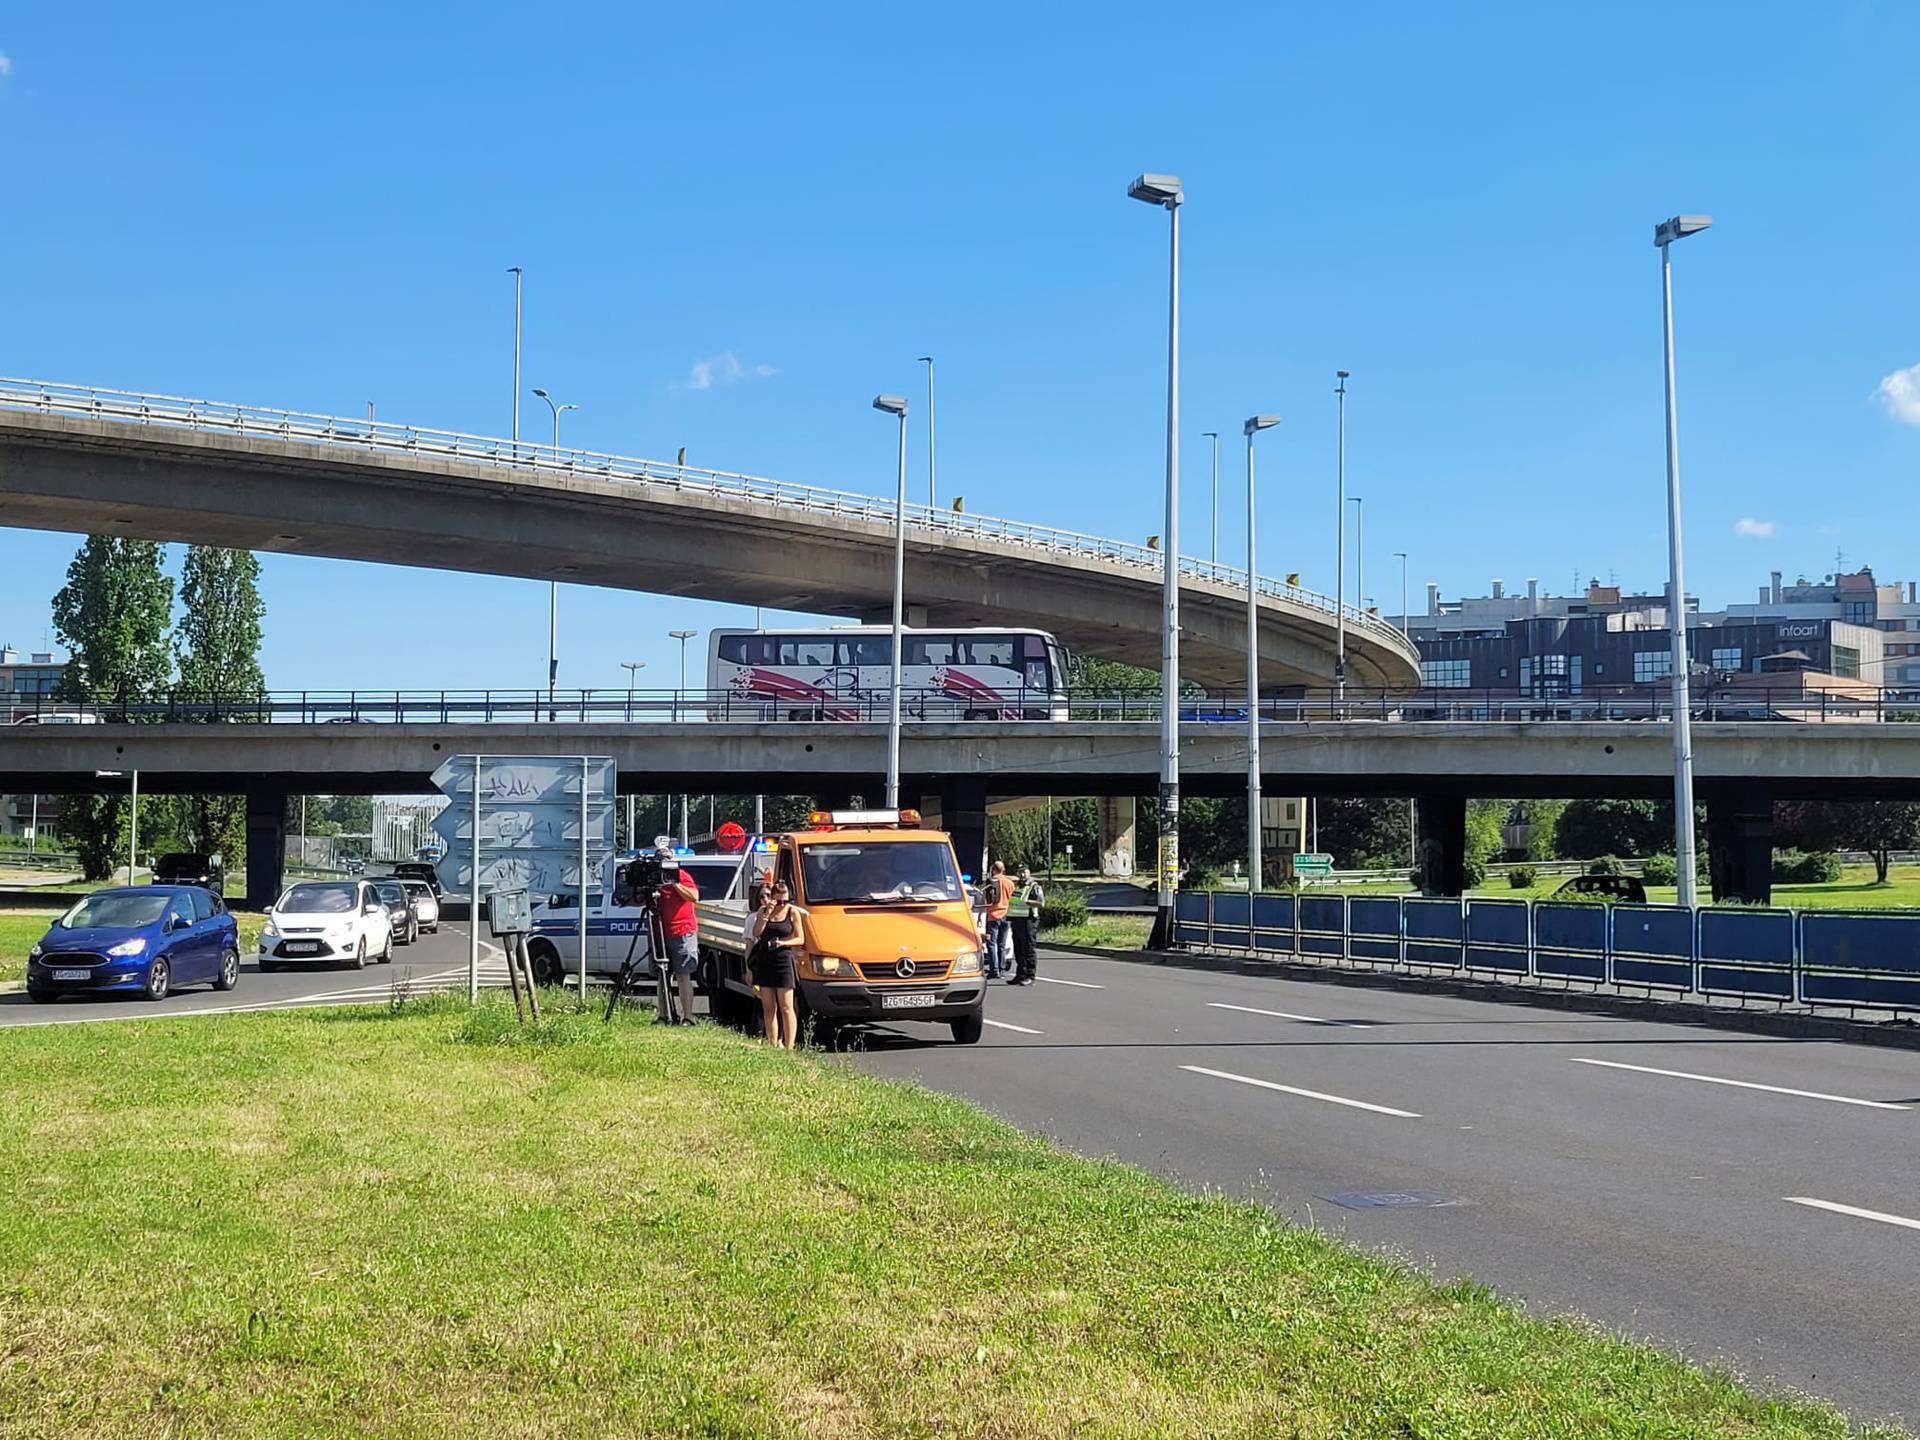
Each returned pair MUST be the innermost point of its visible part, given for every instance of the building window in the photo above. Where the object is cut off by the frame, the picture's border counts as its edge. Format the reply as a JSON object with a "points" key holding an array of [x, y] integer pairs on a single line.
{"points": [[1727, 659], [1447, 674], [1857, 612], [1651, 665], [1846, 661]]}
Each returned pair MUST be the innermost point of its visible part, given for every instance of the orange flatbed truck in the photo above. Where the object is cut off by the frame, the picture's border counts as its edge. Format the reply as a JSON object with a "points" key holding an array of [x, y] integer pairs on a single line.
{"points": [[890, 934]]}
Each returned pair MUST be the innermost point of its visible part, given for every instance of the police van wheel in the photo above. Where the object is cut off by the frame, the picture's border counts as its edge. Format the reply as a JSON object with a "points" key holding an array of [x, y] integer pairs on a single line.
{"points": [[546, 963]]}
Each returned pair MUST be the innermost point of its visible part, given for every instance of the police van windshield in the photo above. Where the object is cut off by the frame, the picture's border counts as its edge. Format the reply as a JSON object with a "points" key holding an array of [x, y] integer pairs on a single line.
{"points": [[850, 872]]}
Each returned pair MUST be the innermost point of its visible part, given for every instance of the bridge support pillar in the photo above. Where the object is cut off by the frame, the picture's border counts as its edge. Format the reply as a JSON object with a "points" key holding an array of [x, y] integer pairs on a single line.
{"points": [[1740, 842], [1440, 844], [266, 842], [963, 815], [1117, 818]]}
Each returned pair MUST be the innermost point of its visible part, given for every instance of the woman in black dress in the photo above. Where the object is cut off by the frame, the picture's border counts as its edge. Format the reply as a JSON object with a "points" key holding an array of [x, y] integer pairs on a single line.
{"points": [[776, 931]]}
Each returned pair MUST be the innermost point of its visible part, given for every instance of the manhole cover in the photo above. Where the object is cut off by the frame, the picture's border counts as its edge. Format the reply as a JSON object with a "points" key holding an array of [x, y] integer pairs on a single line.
{"points": [[1390, 1199]]}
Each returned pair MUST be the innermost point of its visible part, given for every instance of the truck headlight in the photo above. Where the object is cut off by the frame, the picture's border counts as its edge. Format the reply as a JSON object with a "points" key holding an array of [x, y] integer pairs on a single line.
{"points": [[967, 964], [830, 967]]}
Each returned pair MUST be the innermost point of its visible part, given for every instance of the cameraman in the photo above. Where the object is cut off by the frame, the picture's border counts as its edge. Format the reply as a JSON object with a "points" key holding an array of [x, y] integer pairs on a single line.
{"points": [[680, 925]]}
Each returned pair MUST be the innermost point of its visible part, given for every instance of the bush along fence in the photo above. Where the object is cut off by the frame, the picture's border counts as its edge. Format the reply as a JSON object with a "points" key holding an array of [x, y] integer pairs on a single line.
{"points": [[1819, 958]]}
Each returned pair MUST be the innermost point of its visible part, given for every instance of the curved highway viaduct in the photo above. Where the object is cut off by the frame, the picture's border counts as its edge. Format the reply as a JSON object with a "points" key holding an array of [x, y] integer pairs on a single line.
{"points": [[108, 462]]}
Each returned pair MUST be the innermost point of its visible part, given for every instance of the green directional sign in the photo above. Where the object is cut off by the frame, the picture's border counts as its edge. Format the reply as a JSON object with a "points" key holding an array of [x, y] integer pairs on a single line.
{"points": [[1313, 867]]}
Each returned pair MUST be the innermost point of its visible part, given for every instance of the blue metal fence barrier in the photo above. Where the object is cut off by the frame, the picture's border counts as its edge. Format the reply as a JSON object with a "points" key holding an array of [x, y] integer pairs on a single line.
{"points": [[1653, 946], [1276, 923], [1498, 936], [1570, 940], [1192, 923], [1436, 932], [1850, 958], [1323, 925], [1747, 953], [1373, 927], [1233, 919]]}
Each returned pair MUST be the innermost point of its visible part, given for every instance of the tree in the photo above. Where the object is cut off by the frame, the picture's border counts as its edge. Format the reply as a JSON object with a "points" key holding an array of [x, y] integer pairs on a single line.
{"points": [[1486, 820], [1363, 833], [217, 645], [1543, 828], [1635, 828], [112, 616], [1878, 827]]}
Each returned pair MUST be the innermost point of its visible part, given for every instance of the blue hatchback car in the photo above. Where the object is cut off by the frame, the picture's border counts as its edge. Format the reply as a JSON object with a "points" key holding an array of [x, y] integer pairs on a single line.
{"points": [[142, 940]]}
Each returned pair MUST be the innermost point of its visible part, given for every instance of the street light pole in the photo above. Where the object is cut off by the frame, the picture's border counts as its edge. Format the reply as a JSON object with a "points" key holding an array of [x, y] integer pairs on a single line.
{"points": [[518, 275], [1406, 626], [896, 405], [682, 636], [1664, 234], [632, 667], [1165, 191], [1255, 424], [1359, 559], [1213, 553], [553, 586], [929, 363], [1340, 548]]}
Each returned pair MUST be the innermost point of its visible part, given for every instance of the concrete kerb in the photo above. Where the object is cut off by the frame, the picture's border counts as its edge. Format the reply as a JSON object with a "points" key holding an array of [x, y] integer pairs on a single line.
{"points": [[1788, 1024]]}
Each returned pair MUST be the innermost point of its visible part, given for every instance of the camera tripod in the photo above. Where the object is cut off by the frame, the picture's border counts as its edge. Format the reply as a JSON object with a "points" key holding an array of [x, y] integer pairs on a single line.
{"points": [[627, 981]]}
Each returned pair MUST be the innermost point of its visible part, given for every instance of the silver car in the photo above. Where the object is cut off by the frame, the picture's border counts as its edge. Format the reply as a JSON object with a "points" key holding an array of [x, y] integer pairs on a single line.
{"points": [[426, 908]]}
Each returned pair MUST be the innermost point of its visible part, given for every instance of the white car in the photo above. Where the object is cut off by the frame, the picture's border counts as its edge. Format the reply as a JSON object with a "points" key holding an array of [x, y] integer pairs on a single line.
{"points": [[426, 906], [326, 922]]}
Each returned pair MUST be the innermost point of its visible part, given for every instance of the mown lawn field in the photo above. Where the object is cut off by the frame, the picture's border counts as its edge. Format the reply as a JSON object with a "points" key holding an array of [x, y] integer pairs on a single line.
{"points": [[426, 1221]]}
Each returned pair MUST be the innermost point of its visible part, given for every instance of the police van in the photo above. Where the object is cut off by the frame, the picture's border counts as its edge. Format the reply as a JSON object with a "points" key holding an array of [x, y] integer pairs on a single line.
{"points": [[616, 926]]}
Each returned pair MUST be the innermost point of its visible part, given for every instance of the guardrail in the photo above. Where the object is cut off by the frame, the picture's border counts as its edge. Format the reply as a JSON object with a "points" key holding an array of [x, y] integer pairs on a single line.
{"points": [[312, 707], [1851, 959], [343, 432]]}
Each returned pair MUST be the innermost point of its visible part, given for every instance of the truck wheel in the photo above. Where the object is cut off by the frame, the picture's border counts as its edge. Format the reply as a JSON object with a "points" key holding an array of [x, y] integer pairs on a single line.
{"points": [[969, 1030]]}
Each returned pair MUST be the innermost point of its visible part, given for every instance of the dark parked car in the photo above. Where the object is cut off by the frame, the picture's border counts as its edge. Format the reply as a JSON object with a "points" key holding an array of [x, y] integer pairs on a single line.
{"points": [[393, 895], [190, 867], [137, 940], [1625, 888], [420, 870]]}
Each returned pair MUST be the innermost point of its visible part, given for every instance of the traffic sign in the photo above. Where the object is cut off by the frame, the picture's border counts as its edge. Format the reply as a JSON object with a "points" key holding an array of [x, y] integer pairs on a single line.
{"points": [[529, 814], [730, 836]]}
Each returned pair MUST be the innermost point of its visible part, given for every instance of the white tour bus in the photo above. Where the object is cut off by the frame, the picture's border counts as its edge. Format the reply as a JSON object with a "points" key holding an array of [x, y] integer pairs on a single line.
{"points": [[843, 673]]}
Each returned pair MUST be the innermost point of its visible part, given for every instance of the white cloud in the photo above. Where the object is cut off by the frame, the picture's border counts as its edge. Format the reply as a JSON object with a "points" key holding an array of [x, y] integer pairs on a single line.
{"points": [[1900, 393], [725, 368], [6, 66], [1754, 529]]}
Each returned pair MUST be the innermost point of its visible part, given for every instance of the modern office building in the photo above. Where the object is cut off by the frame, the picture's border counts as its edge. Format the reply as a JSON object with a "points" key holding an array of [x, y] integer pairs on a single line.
{"points": [[1856, 599], [24, 684]]}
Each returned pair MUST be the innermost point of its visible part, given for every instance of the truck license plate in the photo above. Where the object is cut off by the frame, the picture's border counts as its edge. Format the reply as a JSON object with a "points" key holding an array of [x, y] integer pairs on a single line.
{"points": [[912, 1000]]}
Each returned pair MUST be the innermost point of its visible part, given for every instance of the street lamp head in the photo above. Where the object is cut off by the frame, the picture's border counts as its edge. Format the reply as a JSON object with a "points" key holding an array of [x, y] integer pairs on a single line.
{"points": [[1679, 227], [892, 404], [541, 393], [1259, 422], [927, 358], [683, 634], [1209, 434], [1157, 190], [513, 270], [569, 407]]}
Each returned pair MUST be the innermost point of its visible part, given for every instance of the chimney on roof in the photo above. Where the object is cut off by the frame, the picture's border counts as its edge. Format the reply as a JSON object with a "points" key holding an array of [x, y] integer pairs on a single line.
{"points": [[1913, 592], [1765, 595], [1499, 589], [1533, 596], [1775, 597], [1433, 597]]}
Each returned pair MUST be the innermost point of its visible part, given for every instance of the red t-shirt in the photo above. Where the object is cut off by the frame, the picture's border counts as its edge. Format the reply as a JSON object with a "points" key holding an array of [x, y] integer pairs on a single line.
{"points": [[676, 911]]}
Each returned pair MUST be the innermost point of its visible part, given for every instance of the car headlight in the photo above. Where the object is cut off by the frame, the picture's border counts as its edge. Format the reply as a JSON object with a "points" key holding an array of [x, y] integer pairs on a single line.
{"points": [[271, 928], [135, 946], [36, 952], [830, 967], [967, 964]]}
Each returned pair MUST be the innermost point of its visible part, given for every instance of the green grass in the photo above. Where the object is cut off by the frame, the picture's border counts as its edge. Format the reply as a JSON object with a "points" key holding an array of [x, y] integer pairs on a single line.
{"points": [[1105, 932], [428, 1222]]}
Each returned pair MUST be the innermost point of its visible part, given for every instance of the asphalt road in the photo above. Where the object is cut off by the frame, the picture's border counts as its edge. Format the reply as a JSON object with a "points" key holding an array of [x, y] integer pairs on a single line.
{"points": [[1540, 1152], [434, 962]]}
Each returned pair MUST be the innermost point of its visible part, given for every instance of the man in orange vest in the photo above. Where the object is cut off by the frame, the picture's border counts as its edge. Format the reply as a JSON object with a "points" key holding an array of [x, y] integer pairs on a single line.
{"points": [[999, 932]]}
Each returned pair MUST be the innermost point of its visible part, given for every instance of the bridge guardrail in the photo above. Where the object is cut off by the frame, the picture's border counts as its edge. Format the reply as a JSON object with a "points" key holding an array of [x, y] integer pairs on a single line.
{"points": [[1822, 959], [359, 433]]}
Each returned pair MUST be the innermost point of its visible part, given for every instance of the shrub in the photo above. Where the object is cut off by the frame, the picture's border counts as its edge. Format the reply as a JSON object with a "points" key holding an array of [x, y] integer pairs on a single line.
{"points": [[1523, 877], [1660, 870], [1204, 877], [1805, 867], [1473, 873], [1605, 865], [1066, 906]]}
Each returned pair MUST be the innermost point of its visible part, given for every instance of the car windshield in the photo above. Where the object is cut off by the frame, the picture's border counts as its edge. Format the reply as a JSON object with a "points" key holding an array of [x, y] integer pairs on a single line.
{"points": [[415, 887], [180, 860], [320, 899], [392, 892], [894, 870], [117, 909]]}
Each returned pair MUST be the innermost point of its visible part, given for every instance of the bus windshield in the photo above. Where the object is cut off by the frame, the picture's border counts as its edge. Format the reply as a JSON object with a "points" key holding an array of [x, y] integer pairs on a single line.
{"points": [[854, 872]]}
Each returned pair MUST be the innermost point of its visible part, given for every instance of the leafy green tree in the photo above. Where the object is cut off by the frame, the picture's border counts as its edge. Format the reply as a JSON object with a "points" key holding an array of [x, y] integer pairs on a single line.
{"points": [[1634, 828], [1878, 827], [217, 645], [1363, 832], [1543, 828], [112, 616]]}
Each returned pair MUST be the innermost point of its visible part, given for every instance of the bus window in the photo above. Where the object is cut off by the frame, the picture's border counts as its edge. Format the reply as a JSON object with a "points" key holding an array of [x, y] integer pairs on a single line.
{"points": [[932, 650], [867, 650], [992, 650], [806, 650]]}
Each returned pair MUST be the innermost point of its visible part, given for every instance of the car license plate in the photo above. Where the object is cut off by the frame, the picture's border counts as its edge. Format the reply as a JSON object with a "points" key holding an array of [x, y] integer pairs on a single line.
{"points": [[301, 947], [910, 1000], [73, 974]]}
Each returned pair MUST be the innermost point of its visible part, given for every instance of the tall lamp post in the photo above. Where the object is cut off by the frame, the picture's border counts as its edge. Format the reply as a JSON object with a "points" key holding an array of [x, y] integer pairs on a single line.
{"points": [[518, 275], [632, 667], [682, 636], [1213, 553], [1340, 544], [897, 406], [1165, 191], [1255, 424], [1406, 626], [1664, 234], [553, 586], [1359, 558], [928, 361]]}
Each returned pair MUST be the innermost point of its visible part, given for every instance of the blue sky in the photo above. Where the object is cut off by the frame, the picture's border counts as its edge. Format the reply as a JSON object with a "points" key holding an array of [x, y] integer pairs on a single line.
{"points": [[314, 207]]}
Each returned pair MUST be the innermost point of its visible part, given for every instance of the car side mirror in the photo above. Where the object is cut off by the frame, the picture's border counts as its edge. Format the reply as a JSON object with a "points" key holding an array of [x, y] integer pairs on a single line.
{"points": [[171, 924], [213, 862]]}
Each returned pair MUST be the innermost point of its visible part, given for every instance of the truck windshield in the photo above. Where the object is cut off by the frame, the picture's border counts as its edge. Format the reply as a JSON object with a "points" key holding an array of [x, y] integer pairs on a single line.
{"points": [[849, 872]]}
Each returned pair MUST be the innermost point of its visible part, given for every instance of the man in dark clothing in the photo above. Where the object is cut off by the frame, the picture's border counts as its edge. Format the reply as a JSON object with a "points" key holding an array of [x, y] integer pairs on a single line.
{"points": [[1024, 913]]}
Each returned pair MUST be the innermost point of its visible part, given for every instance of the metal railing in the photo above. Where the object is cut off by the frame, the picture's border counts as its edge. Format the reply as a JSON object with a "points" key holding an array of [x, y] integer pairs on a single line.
{"points": [[380, 436], [621, 706], [614, 705], [1817, 959]]}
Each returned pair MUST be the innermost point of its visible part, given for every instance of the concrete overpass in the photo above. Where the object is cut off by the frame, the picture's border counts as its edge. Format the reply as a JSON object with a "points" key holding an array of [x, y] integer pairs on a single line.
{"points": [[162, 468], [1740, 768]]}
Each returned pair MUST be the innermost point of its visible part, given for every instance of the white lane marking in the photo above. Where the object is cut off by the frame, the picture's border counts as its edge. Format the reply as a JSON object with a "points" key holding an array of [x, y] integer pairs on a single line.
{"points": [[1017, 1029], [1743, 1084], [1077, 984], [1855, 1210], [1295, 1090], [1289, 1015]]}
